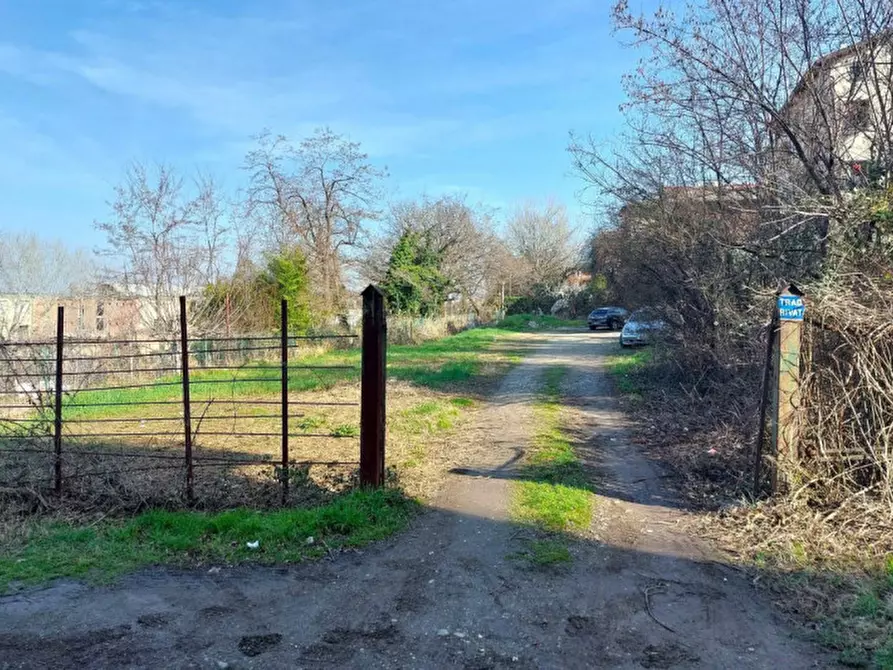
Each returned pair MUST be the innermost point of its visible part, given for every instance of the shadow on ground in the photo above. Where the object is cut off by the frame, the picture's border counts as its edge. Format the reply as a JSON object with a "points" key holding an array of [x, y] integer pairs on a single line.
{"points": [[454, 591]]}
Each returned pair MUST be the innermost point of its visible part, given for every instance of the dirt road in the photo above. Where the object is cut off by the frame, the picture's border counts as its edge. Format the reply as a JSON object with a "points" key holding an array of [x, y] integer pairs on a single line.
{"points": [[448, 593]]}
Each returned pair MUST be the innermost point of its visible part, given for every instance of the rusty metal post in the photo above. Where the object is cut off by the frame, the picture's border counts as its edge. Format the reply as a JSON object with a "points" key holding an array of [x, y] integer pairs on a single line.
{"points": [[791, 309], [57, 405], [764, 403], [187, 405], [372, 405], [284, 361]]}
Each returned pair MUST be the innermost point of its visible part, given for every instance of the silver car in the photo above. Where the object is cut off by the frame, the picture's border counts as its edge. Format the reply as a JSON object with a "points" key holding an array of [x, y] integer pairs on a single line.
{"points": [[641, 328]]}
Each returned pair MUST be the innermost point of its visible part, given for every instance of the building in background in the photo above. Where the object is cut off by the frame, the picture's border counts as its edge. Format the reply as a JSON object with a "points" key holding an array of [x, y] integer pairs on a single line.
{"points": [[31, 317], [840, 114]]}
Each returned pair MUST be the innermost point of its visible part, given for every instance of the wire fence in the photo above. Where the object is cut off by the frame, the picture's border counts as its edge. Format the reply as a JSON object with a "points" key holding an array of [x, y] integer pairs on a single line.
{"points": [[145, 420]]}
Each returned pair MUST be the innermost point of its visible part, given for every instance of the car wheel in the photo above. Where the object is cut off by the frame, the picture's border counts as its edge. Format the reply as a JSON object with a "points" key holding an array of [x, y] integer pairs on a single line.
{"points": [[623, 345], [592, 328], [612, 324]]}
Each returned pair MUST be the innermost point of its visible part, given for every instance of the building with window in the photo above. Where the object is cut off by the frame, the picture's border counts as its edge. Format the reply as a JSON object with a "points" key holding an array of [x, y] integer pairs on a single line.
{"points": [[838, 121]]}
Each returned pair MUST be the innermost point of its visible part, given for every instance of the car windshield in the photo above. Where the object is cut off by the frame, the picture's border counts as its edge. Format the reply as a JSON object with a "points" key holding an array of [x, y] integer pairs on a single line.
{"points": [[600, 312]]}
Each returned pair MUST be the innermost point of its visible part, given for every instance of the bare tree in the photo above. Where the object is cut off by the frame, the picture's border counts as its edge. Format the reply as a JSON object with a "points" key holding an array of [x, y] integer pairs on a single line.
{"points": [[164, 240], [543, 239], [758, 151], [29, 266], [319, 194], [787, 96], [463, 238]]}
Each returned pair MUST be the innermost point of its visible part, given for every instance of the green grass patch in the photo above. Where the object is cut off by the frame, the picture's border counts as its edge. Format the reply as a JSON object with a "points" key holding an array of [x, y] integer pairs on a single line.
{"points": [[544, 553], [522, 322], [345, 430], [554, 494], [426, 418], [310, 422], [627, 371], [186, 538], [553, 507], [855, 618]]}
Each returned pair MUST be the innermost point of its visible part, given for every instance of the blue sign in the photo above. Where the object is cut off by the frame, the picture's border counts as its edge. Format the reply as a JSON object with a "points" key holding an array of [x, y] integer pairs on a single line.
{"points": [[791, 308]]}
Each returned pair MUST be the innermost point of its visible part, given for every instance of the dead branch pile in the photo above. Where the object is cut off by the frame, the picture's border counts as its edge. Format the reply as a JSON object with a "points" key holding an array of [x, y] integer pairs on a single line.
{"points": [[848, 396]]}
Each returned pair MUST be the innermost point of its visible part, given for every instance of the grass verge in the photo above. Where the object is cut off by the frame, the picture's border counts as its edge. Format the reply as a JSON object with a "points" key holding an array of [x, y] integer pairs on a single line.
{"points": [[554, 495], [627, 370], [106, 550]]}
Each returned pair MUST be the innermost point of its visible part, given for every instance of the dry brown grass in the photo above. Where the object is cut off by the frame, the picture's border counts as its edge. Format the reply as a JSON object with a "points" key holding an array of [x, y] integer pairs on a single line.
{"points": [[422, 444]]}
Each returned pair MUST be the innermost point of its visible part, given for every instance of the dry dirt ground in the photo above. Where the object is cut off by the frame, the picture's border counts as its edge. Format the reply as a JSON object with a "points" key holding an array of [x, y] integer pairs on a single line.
{"points": [[450, 592]]}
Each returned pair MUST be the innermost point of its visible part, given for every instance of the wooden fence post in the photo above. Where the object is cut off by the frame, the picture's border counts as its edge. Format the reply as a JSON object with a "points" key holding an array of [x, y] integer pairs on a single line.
{"points": [[283, 347], [57, 405], [372, 403], [187, 405], [791, 309]]}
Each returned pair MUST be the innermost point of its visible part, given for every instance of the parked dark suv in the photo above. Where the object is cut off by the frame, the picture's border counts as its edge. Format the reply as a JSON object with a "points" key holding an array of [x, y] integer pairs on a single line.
{"points": [[611, 318]]}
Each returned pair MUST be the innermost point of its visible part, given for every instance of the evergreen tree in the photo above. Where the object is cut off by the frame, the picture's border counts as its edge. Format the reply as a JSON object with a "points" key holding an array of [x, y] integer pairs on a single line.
{"points": [[285, 278], [414, 283]]}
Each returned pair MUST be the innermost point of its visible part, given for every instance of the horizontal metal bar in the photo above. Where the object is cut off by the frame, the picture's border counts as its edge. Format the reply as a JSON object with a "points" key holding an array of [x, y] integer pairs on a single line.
{"points": [[26, 437], [207, 401], [254, 366], [276, 380], [275, 338], [217, 417], [118, 357], [122, 454], [170, 457], [24, 450], [200, 464], [97, 473], [91, 340], [30, 343], [75, 436], [211, 352], [68, 405], [27, 375], [122, 387], [201, 433], [118, 372], [16, 359]]}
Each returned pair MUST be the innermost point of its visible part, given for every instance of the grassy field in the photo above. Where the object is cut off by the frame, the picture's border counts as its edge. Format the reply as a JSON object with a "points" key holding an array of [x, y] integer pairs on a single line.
{"points": [[434, 388], [440, 365]]}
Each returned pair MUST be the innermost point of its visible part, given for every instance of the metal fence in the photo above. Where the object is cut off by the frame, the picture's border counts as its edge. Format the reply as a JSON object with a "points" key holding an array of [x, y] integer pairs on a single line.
{"points": [[81, 414]]}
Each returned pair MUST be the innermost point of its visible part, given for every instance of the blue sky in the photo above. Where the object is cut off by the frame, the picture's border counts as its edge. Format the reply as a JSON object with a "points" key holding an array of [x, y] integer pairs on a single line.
{"points": [[475, 97]]}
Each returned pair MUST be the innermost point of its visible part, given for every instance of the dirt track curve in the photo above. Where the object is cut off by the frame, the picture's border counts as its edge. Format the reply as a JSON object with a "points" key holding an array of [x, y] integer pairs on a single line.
{"points": [[447, 593]]}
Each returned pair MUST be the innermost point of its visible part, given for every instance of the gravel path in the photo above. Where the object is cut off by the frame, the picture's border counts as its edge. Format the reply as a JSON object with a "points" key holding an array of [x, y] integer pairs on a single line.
{"points": [[448, 593]]}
